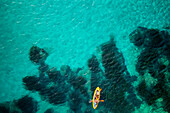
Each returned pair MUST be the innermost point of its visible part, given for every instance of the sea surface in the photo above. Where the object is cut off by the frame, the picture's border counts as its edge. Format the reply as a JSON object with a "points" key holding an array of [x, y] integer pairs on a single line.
{"points": [[71, 32]]}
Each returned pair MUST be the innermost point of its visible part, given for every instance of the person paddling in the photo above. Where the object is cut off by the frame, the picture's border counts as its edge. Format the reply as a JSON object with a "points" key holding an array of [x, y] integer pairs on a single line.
{"points": [[96, 98]]}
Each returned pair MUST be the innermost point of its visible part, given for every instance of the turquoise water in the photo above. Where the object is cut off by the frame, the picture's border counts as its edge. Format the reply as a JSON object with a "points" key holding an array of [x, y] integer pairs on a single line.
{"points": [[70, 31]]}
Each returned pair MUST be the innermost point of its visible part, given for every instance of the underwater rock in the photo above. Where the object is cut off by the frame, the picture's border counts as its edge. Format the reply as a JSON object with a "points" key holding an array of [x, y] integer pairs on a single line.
{"points": [[4, 109], [71, 80], [37, 55], [75, 101], [115, 69], [44, 94], [154, 59], [112, 60], [105, 88], [50, 110], [77, 81], [95, 81], [83, 91], [166, 50], [54, 95], [118, 104], [159, 90], [32, 83], [54, 75], [43, 68], [137, 37], [158, 72], [166, 103], [153, 38], [27, 105], [134, 100], [147, 59], [150, 95], [81, 80], [9, 107], [93, 64], [57, 96], [144, 37]]}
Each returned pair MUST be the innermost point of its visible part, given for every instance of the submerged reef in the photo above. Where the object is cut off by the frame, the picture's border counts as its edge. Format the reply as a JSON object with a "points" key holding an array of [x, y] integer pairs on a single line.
{"points": [[37, 55], [153, 62], [109, 73], [53, 94], [25, 104], [116, 84], [33, 83], [75, 100], [151, 38], [95, 79], [93, 65], [52, 84], [54, 75], [115, 81]]}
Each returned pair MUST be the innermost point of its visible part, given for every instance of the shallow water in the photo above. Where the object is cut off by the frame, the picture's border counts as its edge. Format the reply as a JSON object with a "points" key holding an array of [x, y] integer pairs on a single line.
{"points": [[71, 32]]}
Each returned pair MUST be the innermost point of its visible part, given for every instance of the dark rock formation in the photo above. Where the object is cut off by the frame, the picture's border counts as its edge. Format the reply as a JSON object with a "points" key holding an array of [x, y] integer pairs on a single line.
{"points": [[27, 105], [33, 83], [37, 55], [156, 49], [95, 79], [94, 82], [93, 65], [146, 59], [55, 75], [9, 107], [4, 109], [78, 82], [144, 92], [114, 92], [166, 103], [143, 37], [137, 37], [43, 68], [56, 95], [153, 39], [75, 100]]}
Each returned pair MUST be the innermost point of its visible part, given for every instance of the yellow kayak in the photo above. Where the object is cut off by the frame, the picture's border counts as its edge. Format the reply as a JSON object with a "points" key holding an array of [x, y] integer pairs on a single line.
{"points": [[95, 104]]}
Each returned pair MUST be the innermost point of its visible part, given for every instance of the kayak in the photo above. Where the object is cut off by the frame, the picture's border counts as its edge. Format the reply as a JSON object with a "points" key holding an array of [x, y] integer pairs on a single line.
{"points": [[93, 103]]}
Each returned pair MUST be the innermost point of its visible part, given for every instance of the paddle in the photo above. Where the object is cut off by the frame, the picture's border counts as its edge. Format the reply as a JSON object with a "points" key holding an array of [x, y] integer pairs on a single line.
{"points": [[101, 100]]}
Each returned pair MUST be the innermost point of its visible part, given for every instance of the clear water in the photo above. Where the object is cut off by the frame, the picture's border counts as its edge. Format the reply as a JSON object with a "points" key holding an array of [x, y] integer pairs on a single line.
{"points": [[70, 31]]}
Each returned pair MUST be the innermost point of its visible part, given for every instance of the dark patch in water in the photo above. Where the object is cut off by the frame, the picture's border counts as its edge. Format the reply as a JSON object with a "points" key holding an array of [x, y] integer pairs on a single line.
{"points": [[156, 49]]}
